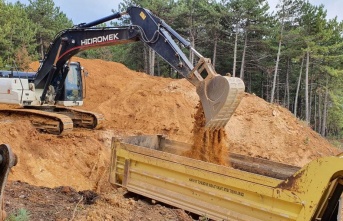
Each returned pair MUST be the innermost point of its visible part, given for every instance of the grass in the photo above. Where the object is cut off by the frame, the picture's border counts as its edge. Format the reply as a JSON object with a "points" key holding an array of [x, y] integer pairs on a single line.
{"points": [[337, 143], [20, 215]]}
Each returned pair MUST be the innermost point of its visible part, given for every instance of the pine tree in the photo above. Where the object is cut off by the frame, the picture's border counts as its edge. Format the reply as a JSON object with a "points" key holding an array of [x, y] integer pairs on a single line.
{"points": [[50, 21]]}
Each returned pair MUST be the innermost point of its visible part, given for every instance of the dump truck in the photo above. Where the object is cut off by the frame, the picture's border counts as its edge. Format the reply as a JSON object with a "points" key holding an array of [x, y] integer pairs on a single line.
{"points": [[250, 189]]}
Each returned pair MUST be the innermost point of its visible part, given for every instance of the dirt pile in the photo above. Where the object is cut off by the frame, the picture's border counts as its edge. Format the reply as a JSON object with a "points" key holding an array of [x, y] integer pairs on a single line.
{"points": [[135, 103], [269, 131], [77, 159]]}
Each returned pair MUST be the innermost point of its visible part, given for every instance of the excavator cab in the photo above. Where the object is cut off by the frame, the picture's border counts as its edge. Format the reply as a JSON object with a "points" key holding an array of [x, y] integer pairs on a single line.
{"points": [[73, 90]]}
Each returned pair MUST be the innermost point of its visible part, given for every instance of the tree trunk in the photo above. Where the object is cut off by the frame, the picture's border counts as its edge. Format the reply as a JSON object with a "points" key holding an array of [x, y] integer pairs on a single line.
{"points": [[171, 72], [278, 89], [214, 52], [158, 66], [235, 54], [268, 88], [41, 46], [287, 83], [320, 113], [310, 100], [146, 59], [284, 103], [298, 88], [191, 54], [325, 112], [151, 61], [315, 113], [277, 62], [249, 85], [276, 71], [306, 86], [261, 85], [243, 56]]}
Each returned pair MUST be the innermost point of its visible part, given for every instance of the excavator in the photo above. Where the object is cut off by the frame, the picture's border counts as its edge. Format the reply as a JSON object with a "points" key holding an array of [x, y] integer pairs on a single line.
{"points": [[45, 97]]}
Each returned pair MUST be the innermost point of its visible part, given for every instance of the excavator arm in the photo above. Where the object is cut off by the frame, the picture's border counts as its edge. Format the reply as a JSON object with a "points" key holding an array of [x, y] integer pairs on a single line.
{"points": [[219, 95]]}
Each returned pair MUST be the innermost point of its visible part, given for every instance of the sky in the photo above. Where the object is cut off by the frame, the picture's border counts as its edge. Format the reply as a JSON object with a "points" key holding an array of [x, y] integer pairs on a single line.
{"points": [[89, 10]]}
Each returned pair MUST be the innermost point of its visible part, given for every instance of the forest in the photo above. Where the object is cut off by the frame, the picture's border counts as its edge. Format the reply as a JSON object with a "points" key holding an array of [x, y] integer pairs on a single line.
{"points": [[291, 56]]}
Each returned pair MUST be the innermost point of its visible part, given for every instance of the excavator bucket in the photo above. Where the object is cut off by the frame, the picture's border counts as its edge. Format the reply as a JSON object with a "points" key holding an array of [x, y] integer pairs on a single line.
{"points": [[219, 96]]}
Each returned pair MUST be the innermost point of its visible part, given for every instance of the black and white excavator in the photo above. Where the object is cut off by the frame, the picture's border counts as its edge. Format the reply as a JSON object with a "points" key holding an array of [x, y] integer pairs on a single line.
{"points": [[45, 97]]}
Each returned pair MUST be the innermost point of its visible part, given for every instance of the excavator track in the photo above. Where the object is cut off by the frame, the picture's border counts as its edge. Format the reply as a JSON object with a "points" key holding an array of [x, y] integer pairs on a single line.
{"points": [[82, 118], [43, 121]]}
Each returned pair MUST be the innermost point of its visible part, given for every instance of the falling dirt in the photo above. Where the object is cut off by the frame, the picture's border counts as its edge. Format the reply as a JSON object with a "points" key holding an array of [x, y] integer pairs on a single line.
{"points": [[134, 103], [208, 145]]}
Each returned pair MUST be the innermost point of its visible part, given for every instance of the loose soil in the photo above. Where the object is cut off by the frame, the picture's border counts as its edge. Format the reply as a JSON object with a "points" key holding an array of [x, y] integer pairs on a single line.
{"points": [[208, 145], [134, 103], [64, 203]]}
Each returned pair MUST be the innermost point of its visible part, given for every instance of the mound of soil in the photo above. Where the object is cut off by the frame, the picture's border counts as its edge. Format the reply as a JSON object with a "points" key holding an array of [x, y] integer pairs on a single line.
{"points": [[77, 159], [134, 103], [269, 131]]}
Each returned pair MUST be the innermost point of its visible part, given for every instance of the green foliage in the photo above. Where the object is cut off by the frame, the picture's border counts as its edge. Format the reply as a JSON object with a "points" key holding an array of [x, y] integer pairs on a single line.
{"points": [[49, 19], [17, 32], [20, 215], [26, 31], [336, 142]]}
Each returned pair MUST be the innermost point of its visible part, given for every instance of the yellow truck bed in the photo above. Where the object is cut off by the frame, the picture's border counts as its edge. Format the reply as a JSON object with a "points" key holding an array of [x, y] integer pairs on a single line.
{"points": [[251, 189]]}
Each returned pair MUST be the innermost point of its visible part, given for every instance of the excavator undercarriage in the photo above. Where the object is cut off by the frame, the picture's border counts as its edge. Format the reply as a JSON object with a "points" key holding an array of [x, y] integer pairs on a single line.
{"points": [[53, 119]]}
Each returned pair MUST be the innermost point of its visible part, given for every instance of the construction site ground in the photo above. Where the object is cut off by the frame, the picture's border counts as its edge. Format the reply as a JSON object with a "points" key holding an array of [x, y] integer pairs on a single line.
{"points": [[66, 177]]}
